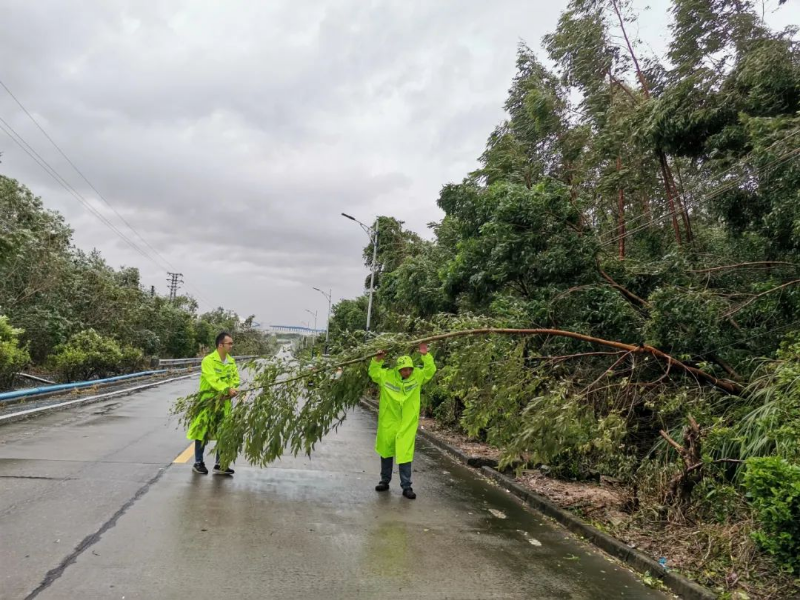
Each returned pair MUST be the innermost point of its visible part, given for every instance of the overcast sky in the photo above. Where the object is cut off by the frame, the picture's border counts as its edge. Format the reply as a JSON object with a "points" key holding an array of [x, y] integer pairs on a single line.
{"points": [[232, 135]]}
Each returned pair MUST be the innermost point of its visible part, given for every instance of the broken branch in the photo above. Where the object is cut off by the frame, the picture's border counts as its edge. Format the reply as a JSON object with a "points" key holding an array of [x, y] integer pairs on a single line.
{"points": [[746, 265], [625, 292], [731, 387], [757, 296]]}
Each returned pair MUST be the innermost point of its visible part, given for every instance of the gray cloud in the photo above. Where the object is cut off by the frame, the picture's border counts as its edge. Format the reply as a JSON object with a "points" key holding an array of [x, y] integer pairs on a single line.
{"points": [[231, 135]]}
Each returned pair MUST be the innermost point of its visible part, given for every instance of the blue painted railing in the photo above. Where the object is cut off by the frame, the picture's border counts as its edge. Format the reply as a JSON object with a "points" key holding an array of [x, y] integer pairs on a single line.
{"points": [[17, 394]]}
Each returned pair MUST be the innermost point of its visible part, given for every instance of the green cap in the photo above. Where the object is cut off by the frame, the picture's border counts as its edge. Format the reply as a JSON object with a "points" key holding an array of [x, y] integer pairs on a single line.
{"points": [[405, 362]]}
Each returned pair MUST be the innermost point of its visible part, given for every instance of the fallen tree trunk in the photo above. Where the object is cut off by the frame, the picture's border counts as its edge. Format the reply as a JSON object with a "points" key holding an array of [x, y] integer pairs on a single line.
{"points": [[730, 387]]}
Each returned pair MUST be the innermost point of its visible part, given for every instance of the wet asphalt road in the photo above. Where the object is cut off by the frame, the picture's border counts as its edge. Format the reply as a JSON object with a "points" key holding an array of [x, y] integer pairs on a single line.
{"points": [[92, 505]]}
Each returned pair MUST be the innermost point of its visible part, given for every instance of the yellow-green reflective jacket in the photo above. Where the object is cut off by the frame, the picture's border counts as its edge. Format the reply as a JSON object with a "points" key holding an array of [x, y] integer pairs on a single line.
{"points": [[216, 378], [398, 415]]}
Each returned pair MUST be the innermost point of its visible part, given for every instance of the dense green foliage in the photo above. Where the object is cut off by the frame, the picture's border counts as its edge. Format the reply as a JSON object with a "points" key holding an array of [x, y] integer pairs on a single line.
{"points": [[88, 354], [649, 202], [54, 294], [636, 199], [628, 199], [13, 358], [773, 484]]}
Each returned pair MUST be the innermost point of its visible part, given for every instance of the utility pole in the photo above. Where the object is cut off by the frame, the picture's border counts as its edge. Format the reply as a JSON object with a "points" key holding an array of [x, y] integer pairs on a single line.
{"points": [[329, 295], [372, 232], [152, 291], [174, 280]]}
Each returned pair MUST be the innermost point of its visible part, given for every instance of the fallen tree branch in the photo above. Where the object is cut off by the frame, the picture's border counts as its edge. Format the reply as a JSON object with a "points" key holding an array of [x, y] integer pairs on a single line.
{"points": [[699, 465], [725, 366], [608, 371], [570, 291], [624, 291], [757, 296], [731, 387], [571, 356], [681, 486], [672, 442], [746, 265]]}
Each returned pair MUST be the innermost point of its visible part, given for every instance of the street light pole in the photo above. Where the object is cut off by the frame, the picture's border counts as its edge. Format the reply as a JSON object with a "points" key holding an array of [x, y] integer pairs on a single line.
{"points": [[372, 275], [329, 296], [372, 232], [313, 314]]}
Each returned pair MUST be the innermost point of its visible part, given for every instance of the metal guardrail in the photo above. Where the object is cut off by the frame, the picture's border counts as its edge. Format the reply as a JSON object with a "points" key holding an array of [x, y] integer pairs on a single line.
{"points": [[64, 387], [176, 362], [24, 393]]}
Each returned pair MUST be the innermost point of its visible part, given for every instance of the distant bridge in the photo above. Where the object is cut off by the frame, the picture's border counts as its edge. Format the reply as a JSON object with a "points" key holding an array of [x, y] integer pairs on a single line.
{"points": [[295, 329]]}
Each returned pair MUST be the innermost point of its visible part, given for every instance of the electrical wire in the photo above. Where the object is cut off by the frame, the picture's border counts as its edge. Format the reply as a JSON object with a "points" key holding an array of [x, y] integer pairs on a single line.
{"points": [[153, 255], [79, 172], [17, 139], [740, 163], [720, 190]]}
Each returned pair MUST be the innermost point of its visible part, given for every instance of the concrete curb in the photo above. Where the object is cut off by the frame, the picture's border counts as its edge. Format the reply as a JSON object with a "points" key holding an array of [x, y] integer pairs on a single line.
{"points": [[642, 563], [683, 587], [35, 412]]}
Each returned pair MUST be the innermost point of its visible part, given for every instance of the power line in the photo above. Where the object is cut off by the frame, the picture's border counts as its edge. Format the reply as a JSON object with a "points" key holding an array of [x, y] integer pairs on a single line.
{"points": [[723, 188], [31, 152], [79, 172], [57, 176]]}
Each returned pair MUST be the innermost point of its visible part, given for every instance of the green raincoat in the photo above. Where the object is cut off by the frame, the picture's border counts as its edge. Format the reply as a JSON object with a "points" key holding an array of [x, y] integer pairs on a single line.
{"points": [[216, 378], [398, 415]]}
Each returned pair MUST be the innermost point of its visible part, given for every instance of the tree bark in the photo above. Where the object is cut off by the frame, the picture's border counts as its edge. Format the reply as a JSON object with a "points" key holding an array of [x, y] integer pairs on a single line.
{"points": [[670, 201], [681, 486], [621, 215], [680, 201], [639, 73]]}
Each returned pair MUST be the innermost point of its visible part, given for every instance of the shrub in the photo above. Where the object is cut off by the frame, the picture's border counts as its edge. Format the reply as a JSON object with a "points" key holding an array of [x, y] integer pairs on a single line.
{"points": [[132, 360], [773, 487], [12, 357], [87, 354]]}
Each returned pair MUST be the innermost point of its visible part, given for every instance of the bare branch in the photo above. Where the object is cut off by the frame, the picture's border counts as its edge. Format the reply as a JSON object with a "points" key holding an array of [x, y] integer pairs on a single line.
{"points": [[757, 296], [673, 443], [731, 387], [747, 265], [625, 292], [571, 356]]}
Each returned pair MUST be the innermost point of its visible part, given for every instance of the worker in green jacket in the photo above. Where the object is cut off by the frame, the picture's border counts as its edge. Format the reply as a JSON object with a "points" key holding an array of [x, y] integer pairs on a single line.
{"points": [[398, 414], [219, 378]]}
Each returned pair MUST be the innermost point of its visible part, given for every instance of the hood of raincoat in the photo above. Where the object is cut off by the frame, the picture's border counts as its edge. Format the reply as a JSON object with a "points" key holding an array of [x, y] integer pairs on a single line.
{"points": [[404, 362]]}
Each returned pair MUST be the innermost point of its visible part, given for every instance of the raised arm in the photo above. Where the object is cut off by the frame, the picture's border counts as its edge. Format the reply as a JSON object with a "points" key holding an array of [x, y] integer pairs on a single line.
{"points": [[376, 371], [428, 365]]}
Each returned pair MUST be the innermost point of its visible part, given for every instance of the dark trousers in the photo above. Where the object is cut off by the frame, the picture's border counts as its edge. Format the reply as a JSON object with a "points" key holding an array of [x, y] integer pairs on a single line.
{"points": [[404, 468], [199, 450]]}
